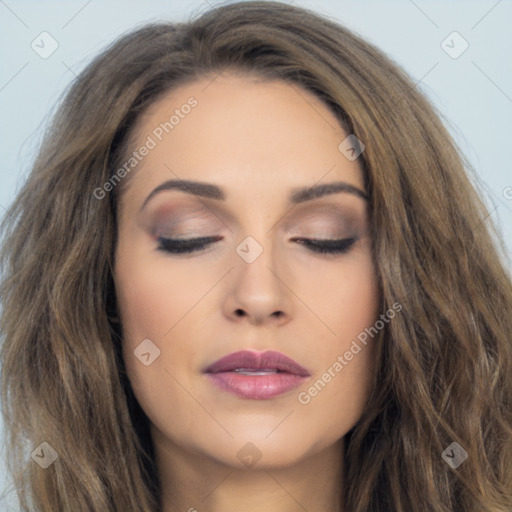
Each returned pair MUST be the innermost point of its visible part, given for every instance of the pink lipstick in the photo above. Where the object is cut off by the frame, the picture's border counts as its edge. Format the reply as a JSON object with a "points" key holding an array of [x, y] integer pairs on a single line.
{"points": [[256, 375]]}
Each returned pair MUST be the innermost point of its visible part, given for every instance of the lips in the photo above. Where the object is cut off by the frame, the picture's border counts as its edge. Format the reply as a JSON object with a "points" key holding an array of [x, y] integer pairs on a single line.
{"points": [[256, 375], [269, 361]]}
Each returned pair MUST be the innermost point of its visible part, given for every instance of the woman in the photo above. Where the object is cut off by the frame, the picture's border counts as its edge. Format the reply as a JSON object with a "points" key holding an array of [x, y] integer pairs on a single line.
{"points": [[249, 272]]}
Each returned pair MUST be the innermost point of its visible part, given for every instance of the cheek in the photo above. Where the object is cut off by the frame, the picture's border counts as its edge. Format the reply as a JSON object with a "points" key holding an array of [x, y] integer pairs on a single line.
{"points": [[152, 297], [349, 305], [156, 301], [346, 299], [358, 301], [149, 306], [140, 307]]}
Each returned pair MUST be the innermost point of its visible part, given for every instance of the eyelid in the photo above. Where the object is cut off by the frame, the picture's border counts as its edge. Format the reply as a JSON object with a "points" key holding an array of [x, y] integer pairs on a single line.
{"points": [[323, 219], [176, 219]]}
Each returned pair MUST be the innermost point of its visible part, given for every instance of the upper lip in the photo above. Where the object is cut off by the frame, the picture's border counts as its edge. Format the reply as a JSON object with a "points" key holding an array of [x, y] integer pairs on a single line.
{"points": [[248, 359]]}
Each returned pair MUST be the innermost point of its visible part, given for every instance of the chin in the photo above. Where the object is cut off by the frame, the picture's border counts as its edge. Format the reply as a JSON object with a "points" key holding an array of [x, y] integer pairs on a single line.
{"points": [[253, 450]]}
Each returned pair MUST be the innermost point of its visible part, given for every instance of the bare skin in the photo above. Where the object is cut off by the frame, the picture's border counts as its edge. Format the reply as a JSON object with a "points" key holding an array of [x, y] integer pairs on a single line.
{"points": [[217, 451]]}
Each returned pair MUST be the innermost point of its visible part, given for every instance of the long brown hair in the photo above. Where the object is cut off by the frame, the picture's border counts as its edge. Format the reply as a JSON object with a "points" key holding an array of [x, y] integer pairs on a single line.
{"points": [[444, 364]]}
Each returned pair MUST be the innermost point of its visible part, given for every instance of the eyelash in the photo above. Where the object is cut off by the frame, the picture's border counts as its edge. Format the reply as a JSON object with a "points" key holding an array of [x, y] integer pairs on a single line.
{"points": [[199, 245]]}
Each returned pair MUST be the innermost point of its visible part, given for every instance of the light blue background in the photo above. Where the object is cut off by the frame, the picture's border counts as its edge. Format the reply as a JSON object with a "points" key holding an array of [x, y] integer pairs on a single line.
{"points": [[473, 92]]}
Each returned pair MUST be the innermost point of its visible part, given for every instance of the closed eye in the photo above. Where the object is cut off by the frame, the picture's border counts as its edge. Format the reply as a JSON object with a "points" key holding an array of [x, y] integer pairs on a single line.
{"points": [[198, 245]]}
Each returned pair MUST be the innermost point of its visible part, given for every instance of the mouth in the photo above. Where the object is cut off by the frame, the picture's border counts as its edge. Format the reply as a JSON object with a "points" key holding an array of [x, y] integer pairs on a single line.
{"points": [[256, 375]]}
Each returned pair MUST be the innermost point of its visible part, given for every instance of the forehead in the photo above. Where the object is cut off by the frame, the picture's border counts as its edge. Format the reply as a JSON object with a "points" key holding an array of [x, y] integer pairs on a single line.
{"points": [[244, 133]]}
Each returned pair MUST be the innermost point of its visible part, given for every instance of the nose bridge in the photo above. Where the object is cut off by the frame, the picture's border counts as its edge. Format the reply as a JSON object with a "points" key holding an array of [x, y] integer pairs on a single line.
{"points": [[257, 253], [259, 241], [258, 288], [259, 231]]}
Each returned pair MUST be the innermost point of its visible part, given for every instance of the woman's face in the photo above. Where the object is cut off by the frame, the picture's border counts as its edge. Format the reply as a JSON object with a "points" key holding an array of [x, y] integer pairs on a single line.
{"points": [[256, 287]]}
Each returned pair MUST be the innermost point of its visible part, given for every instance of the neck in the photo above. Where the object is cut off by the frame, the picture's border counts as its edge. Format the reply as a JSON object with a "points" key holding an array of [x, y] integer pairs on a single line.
{"points": [[195, 482]]}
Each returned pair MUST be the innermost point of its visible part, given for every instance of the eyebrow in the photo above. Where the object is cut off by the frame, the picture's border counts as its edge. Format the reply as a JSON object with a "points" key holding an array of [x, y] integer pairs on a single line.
{"points": [[298, 195]]}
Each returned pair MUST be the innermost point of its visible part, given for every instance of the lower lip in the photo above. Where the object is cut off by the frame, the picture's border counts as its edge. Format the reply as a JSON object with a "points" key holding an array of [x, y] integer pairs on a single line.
{"points": [[256, 387]]}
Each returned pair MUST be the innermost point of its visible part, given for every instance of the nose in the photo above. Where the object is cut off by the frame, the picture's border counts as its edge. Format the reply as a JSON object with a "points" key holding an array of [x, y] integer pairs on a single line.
{"points": [[258, 291]]}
